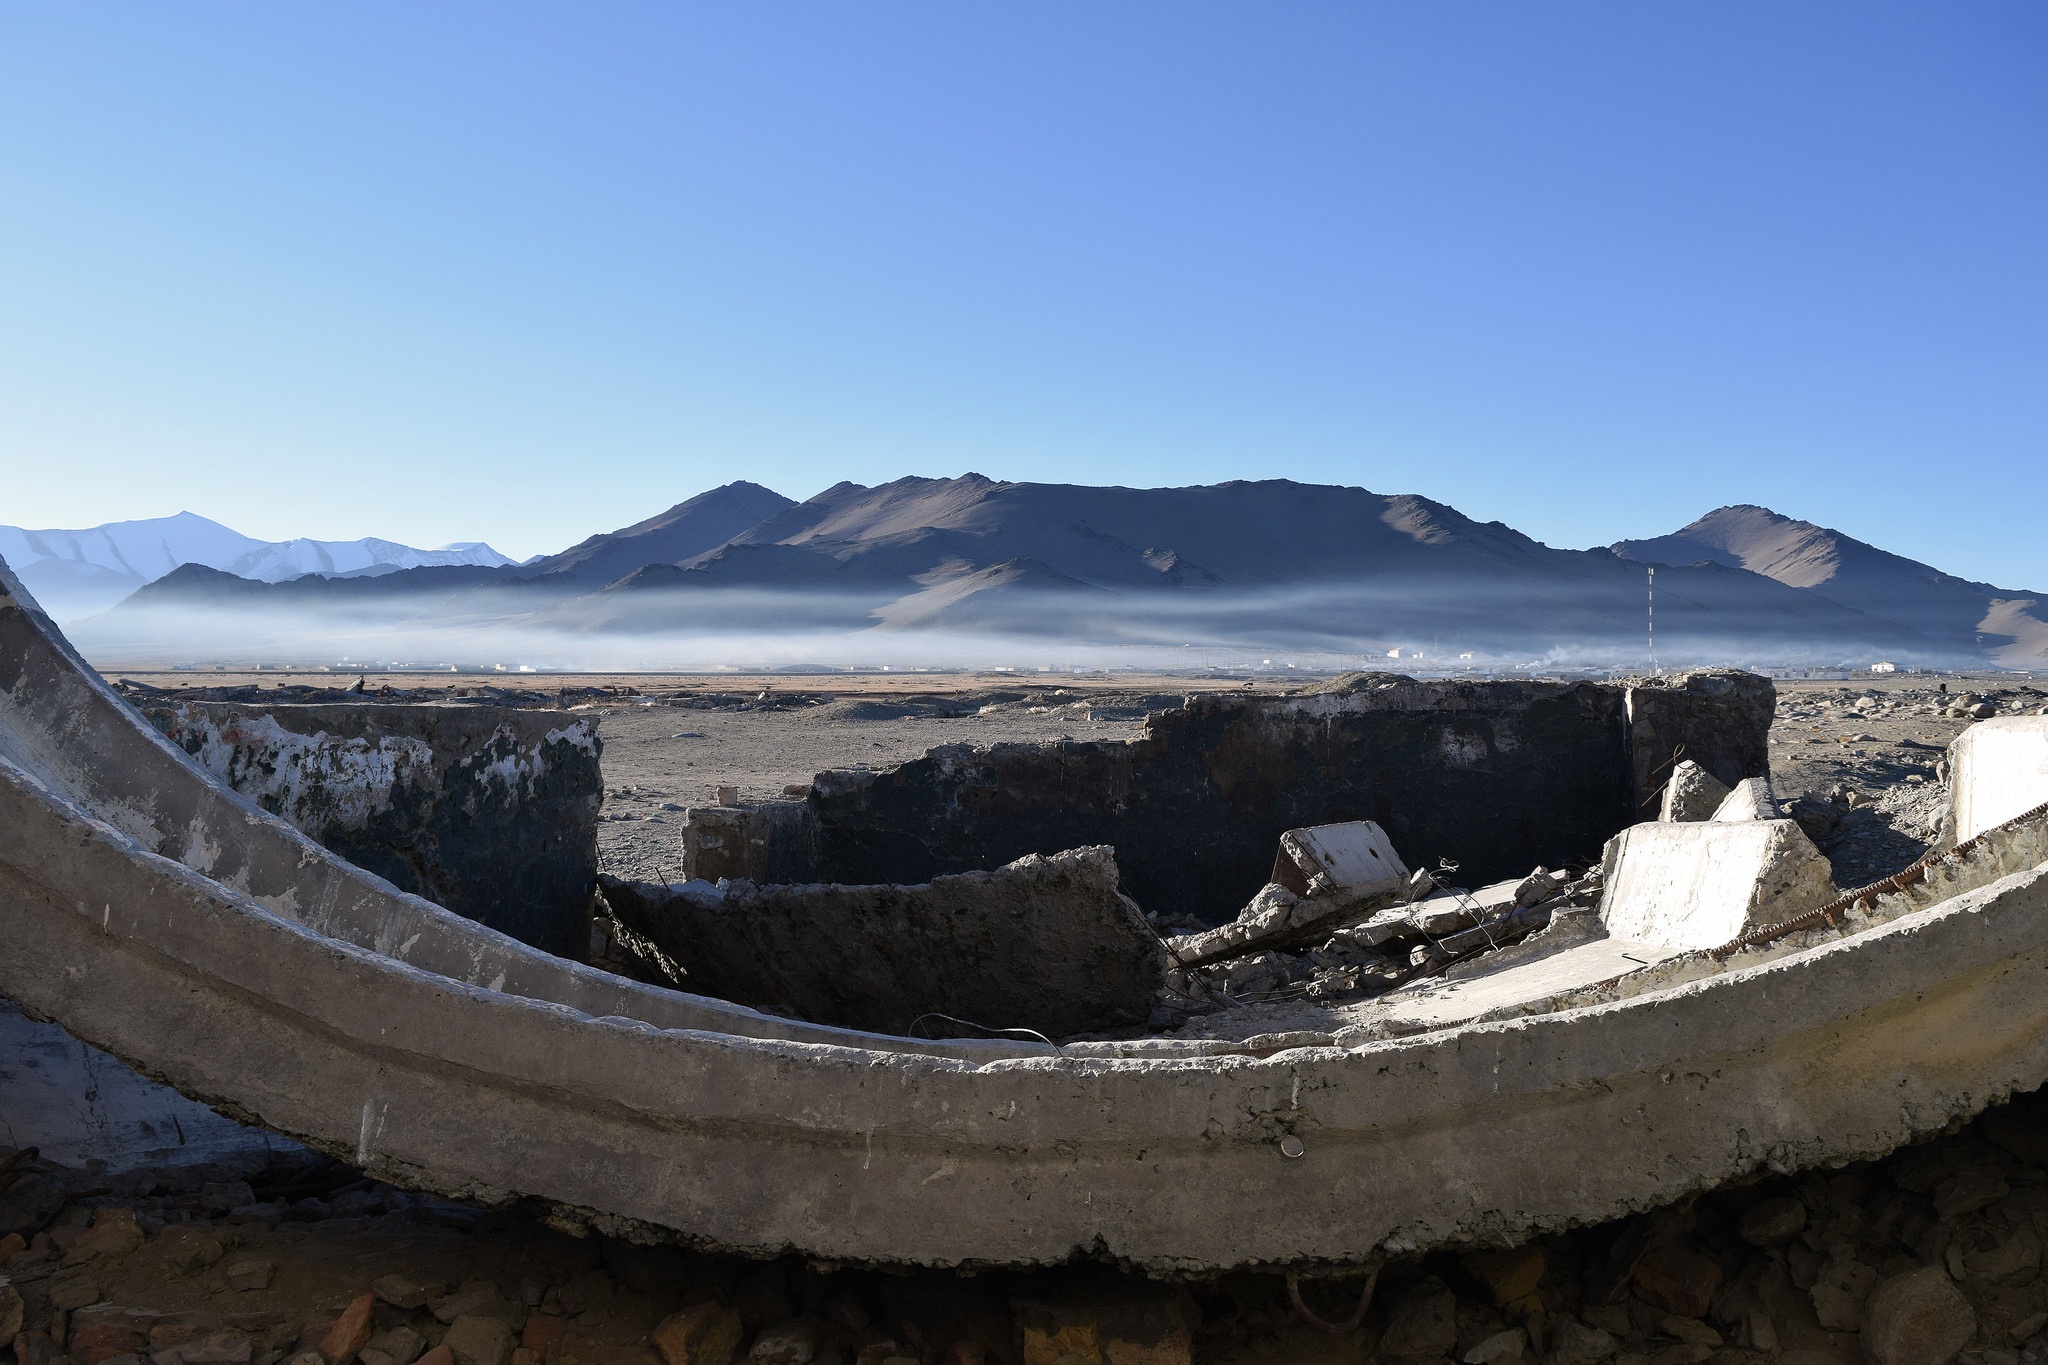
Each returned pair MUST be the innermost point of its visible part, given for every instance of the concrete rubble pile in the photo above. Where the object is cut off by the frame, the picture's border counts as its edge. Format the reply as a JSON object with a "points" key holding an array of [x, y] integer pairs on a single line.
{"points": [[1390, 928]]}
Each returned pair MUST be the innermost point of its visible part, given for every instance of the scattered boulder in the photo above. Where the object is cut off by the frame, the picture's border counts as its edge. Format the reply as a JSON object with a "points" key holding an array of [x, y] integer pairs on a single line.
{"points": [[1424, 1323], [1917, 1318], [350, 1332], [702, 1334], [475, 1339]]}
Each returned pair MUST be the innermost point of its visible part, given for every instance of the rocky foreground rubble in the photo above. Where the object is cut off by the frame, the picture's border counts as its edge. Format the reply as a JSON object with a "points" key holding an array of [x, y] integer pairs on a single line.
{"points": [[1931, 1256]]}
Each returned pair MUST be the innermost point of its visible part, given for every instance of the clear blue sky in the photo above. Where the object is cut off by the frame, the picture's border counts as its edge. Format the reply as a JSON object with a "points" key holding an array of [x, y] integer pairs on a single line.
{"points": [[524, 272]]}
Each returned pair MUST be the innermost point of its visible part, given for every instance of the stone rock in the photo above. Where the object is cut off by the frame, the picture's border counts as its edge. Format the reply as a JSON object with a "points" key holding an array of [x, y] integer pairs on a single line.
{"points": [[370, 1355], [1508, 1275], [1693, 793], [1424, 1323], [473, 1298], [788, 1343], [400, 1345], [701, 1334], [223, 1196], [1772, 1222], [350, 1332], [541, 1332], [188, 1250], [846, 1306], [34, 1348], [1577, 1344], [1506, 1345], [1677, 1280], [114, 1232], [30, 1202], [1684, 1353], [211, 1348], [1690, 1330], [1986, 1255], [13, 1312], [474, 1339], [97, 1333], [1967, 1192], [1129, 1327], [249, 1276], [71, 1292], [1918, 1318], [1840, 1289], [401, 1292], [440, 1355]]}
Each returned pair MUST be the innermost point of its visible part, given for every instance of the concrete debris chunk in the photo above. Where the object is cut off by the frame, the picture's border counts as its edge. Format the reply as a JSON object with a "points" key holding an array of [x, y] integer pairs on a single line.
{"points": [[2000, 770], [1321, 876], [1701, 885], [1749, 799], [1692, 794]]}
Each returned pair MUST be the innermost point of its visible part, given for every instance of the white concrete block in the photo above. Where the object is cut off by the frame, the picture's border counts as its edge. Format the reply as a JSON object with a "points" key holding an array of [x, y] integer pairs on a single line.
{"points": [[1345, 862], [1751, 799], [1699, 885], [1997, 769]]}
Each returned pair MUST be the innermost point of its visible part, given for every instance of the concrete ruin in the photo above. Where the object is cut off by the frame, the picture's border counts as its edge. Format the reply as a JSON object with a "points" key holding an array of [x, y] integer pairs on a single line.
{"points": [[1044, 946], [1495, 776], [157, 914], [487, 811]]}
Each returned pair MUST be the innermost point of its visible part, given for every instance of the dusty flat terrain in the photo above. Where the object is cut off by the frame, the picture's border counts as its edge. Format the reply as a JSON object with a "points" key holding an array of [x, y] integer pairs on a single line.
{"points": [[1864, 757]]}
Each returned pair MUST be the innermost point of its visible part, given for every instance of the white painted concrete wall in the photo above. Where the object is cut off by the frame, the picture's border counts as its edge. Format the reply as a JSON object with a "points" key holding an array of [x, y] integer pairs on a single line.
{"points": [[1998, 769]]}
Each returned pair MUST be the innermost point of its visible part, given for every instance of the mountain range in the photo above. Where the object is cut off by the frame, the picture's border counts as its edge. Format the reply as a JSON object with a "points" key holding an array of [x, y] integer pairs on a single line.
{"points": [[1266, 564], [76, 573]]}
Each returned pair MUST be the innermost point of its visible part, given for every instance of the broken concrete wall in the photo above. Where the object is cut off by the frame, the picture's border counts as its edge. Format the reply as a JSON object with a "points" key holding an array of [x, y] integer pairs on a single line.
{"points": [[1045, 944], [776, 841], [1496, 776], [489, 811], [1718, 718]]}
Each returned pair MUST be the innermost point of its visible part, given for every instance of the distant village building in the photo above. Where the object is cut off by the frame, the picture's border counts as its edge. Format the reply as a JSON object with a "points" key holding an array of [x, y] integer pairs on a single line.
{"points": [[1884, 666]]}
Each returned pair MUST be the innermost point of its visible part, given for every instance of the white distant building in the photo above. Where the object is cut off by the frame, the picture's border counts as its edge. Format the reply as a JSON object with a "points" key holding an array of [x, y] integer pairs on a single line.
{"points": [[1393, 654], [1884, 666]]}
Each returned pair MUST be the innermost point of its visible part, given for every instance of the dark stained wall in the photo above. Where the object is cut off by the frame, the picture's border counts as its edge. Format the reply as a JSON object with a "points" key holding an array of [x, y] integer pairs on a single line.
{"points": [[1497, 777]]}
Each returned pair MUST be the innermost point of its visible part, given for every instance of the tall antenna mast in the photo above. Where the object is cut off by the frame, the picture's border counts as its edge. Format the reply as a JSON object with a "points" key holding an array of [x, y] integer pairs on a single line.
{"points": [[1651, 617]]}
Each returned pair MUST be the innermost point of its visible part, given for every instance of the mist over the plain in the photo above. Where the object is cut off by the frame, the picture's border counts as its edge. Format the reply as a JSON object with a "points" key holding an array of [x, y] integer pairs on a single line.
{"points": [[1335, 626], [973, 572]]}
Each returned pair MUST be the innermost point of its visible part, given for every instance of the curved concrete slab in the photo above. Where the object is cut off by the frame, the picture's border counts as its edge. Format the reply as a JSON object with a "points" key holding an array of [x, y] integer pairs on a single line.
{"points": [[156, 915]]}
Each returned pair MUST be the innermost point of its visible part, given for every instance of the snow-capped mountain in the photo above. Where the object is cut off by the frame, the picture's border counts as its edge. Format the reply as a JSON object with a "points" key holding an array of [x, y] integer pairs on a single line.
{"points": [[76, 573]]}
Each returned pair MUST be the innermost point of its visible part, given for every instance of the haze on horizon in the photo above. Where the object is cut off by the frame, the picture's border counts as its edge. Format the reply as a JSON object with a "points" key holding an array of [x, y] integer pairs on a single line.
{"points": [[512, 273]]}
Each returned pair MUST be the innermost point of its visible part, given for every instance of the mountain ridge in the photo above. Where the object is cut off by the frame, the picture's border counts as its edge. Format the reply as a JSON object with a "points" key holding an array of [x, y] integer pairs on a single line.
{"points": [[2004, 623], [77, 572], [1263, 563]]}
